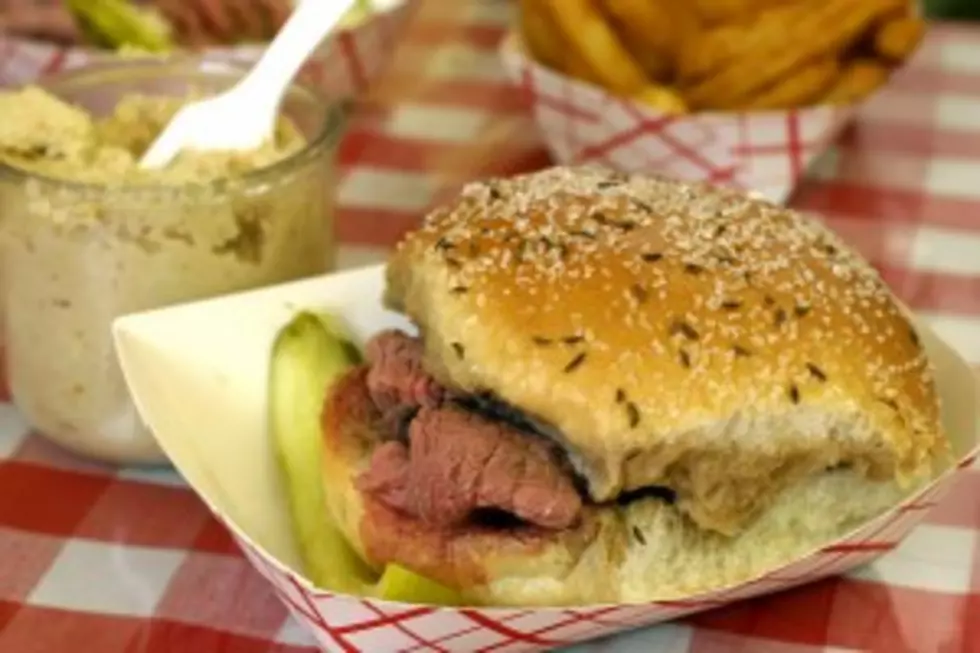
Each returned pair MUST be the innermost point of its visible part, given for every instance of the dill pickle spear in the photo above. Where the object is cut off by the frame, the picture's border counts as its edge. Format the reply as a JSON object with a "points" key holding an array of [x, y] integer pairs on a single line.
{"points": [[357, 14], [400, 584], [309, 354], [117, 23]]}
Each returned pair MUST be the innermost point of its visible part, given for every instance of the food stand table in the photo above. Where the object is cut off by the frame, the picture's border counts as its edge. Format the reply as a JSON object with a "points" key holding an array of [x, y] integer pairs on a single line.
{"points": [[107, 561]]}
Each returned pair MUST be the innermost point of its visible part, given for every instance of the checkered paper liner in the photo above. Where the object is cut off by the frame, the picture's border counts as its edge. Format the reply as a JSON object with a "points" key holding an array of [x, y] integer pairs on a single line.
{"points": [[764, 151], [198, 376], [344, 65], [346, 623]]}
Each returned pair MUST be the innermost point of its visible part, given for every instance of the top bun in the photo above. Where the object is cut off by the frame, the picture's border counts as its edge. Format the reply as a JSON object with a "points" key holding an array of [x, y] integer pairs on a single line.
{"points": [[671, 334]]}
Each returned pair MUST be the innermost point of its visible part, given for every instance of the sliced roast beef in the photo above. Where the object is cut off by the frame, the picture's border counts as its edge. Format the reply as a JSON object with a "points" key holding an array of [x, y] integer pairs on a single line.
{"points": [[458, 462], [445, 461], [397, 381], [388, 477]]}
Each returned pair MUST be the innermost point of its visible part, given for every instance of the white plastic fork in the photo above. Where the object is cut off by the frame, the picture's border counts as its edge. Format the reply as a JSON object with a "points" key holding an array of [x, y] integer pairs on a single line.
{"points": [[244, 116]]}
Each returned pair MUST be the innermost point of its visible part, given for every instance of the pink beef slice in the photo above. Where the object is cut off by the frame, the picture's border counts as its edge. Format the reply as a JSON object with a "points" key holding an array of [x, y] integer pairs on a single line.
{"points": [[396, 380], [458, 462]]}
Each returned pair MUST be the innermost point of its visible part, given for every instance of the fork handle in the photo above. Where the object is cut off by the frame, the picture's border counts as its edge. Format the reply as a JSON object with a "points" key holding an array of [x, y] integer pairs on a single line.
{"points": [[305, 29]]}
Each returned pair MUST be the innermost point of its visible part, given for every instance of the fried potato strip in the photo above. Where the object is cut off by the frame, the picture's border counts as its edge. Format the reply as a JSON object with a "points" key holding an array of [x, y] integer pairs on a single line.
{"points": [[598, 45], [799, 89], [831, 27], [859, 79], [898, 38]]}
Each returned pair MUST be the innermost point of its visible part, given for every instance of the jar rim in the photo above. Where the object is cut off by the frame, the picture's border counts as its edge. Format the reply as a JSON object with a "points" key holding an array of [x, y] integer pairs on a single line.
{"points": [[328, 134]]}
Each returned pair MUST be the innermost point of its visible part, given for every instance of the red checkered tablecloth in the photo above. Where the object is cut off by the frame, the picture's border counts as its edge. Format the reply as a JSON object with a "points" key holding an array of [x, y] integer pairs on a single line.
{"points": [[108, 561]]}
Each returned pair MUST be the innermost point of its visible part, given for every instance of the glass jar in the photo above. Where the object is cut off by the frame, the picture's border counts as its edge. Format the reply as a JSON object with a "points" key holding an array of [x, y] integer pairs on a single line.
{"points": [[74, 256]]}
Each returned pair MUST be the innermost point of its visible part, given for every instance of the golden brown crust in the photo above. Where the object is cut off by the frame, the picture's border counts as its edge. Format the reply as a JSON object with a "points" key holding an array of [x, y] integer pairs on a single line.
{"points": [[673, 334], [643, 552]]}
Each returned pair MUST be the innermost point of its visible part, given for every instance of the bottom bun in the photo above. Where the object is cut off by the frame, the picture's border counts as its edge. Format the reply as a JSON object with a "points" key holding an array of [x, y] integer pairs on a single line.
{"points": [[644, 551]]}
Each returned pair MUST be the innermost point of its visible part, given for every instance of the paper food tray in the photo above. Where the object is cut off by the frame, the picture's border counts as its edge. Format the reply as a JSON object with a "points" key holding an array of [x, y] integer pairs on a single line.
{"points": [[344, 65], [198, 373], [764, 151]]}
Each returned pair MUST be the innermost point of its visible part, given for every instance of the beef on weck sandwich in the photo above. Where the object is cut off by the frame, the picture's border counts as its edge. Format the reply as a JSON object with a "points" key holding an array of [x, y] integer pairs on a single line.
{"points": [[624, 389]]}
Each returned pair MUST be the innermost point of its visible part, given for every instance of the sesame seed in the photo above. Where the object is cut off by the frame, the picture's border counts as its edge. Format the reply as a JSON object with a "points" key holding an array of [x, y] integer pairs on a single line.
{"points": [[794, 394], [541, 340], [458, 348], [556, 233], [458, 290], [620, 395]]}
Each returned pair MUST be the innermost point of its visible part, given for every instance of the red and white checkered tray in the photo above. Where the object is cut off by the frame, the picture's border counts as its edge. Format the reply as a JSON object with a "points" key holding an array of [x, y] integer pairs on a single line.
{"points": [[345, 64], [763, 151], [198, 374]]}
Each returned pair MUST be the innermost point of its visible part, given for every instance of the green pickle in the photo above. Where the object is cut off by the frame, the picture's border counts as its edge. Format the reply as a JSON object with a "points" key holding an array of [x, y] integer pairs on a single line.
{"points": [[400, 584], [114, 24], [358, 13], [309, 354]]}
